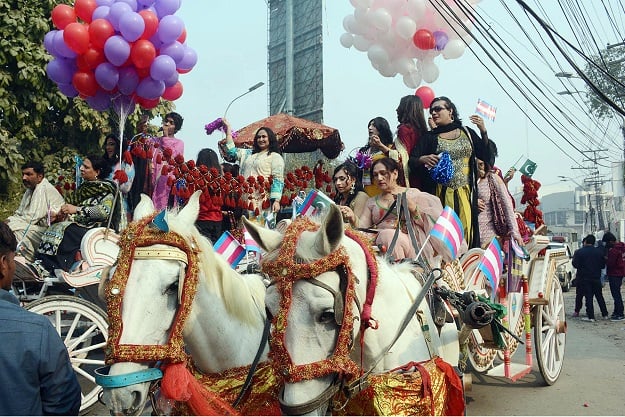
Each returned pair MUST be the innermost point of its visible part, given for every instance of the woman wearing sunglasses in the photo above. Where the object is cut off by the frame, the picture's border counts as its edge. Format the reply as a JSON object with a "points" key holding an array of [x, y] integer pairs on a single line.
{"points": [[463, 145]]}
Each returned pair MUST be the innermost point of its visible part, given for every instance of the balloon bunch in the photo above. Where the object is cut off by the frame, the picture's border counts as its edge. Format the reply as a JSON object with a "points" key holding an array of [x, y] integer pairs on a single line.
{"points": [[404, 36], [134, 50]]}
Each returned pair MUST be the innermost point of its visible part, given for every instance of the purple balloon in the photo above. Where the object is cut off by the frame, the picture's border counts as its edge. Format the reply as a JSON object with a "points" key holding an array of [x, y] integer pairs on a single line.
{"points": [[440, 39], [175, 50], [145, 3], [131, 26], [162, 67], [171, 81], [48, 42], [100, 102], [101, 12], [117, 11], [150, 88], [128, 80], [116, 50], [189, 60], [166, 7], [61, 70], [68, 90], [156, 41], [104, 2], [170, 28], [131, 3], [107, 75], [61, 47]]}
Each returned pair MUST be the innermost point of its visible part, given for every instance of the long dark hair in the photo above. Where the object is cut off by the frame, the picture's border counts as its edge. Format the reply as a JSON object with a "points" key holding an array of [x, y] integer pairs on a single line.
{"points": [[208, 158], [101, 164], [410, 112], [115, 158], [451, 106], [352, 170], [384, 129], [274, 146]]}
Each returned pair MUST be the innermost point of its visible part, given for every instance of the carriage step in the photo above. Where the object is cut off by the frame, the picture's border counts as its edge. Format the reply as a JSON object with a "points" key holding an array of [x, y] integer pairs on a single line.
{"points": [[538, 301], [517, 371]]}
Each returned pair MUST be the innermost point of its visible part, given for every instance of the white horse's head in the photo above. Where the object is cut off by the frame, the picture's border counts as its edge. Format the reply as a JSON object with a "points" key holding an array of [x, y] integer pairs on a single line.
{"points": [[172, 284], [318, 311]]}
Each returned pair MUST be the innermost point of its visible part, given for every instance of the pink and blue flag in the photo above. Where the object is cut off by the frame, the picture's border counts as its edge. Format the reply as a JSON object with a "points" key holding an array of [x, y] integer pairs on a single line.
{"points": [[230, 248], [448, 230], [250, 243], [491, 265], [519, 250], [314, 203], [486, 109]]}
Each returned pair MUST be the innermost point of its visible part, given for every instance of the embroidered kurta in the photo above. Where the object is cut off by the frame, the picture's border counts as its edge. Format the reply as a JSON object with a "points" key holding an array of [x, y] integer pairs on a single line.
{"points": [[487, 226], [31, 218]]}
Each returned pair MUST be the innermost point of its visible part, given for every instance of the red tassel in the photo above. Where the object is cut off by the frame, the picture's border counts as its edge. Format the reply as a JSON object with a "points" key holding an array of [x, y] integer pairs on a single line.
{"points": [[127, 157], [256, 212], [120, 176], [284, 201], [265, 204]]}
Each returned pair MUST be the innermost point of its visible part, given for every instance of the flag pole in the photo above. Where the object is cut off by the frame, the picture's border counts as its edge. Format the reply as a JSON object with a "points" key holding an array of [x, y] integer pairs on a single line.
{"points": [[422, 247]]}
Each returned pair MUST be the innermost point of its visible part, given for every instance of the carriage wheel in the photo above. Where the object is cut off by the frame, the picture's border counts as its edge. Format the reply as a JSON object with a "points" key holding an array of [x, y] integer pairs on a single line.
{"points": [[83, 327], [550, 332]]}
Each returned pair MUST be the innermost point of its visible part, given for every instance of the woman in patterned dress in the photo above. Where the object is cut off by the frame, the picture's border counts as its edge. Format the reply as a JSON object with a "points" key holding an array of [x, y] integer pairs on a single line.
{"points": [[463, 145]]}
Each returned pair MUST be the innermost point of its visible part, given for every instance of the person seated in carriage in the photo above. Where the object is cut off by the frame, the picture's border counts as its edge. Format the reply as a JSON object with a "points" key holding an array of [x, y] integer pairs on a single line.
{"points": [[380, 214], [93, 203], [39, 204]]}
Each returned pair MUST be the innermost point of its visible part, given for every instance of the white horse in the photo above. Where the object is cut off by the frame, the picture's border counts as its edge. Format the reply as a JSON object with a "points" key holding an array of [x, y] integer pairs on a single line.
{"points": [[146, 296], [322, 283]]}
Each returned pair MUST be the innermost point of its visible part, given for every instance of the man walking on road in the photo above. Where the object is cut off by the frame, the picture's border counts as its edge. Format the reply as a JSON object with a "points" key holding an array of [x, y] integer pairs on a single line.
{"points": [[589, 262], [615, 265]]}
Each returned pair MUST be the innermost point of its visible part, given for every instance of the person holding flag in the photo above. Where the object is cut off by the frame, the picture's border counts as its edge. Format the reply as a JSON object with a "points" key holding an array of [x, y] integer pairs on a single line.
{"points": [[458, 189]]}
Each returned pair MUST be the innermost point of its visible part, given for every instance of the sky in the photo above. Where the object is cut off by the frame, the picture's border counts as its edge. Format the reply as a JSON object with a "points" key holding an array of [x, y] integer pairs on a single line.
{"points": [[231, 42]]}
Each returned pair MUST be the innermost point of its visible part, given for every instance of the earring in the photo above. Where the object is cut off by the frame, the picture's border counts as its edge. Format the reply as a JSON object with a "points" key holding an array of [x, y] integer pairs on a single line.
{"points": [[352, 189]]}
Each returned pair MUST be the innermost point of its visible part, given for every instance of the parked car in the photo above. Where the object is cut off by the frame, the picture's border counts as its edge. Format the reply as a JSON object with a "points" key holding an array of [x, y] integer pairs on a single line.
{"points": [[564, 269]]}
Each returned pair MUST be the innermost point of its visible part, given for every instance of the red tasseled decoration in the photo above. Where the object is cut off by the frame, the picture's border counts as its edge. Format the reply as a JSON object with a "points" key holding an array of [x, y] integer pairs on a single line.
{"points": [[61, 177], [265, 204], [293, 195], [164, 170], [167, 152], [127, 157], [170, 182], [184, 168], [179, 384], [179, 159], [261, 179], [143, 154], [67, 186], [215, 200], [150, 153], [73, 186], [121, 176], [202, 198], [251, 180], [191, 164], [284, 201], [240, 179], [328, 188], [256, 212], [213, 171], [250, 206], [201, 183]]}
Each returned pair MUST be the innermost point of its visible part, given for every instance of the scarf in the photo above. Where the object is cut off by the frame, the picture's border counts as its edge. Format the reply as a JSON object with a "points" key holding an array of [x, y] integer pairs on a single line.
{"points": [[447, 128]]}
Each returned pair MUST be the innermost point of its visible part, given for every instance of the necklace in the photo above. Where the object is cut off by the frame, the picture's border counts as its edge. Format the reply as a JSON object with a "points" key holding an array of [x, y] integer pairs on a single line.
{"points": [[451, 135]]}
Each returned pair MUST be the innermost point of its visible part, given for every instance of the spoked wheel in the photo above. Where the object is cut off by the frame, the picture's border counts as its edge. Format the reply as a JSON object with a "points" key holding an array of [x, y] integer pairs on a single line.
{"points": [[550, 332], [83, 328]]}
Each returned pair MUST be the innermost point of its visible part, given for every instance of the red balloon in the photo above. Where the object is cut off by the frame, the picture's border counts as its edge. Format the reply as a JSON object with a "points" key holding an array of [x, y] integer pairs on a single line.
{"points": [[76, 36], [174, 92], [93, 57], [424, 39], [146, 103], [99, 31], [426, 94], [63, 15], [85, 8], [143, 72], [183, 36], [85, 83], [183, 71], [151, 23], [142, 53]]}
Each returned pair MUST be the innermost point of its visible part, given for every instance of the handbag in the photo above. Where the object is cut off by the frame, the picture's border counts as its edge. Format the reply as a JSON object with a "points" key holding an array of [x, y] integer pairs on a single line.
{"points": [[498, 213]]}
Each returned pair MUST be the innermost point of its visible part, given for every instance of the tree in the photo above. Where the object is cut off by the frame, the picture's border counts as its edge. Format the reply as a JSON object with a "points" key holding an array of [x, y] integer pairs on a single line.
{"points": [[609, 79], [35, 118]]}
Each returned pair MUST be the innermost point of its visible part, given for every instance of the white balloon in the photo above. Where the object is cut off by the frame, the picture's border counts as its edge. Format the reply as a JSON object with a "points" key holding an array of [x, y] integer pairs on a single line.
{"points": [[454, 49], [361, 3], [404, 65], [377, 53], [415, 8], [347, 40], [405, 27], [349, 22], [387, 70], [412, 79], [382, 19], [429, 72], [361, 43]]}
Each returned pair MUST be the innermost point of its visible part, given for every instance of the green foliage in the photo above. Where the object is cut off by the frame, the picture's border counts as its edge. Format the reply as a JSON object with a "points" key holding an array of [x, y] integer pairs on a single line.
{"points": [[36, 120], [611, 61]]}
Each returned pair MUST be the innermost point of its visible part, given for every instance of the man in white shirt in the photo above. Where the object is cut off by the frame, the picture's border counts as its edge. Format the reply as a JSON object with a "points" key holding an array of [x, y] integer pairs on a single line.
{"points": [[38, 208]]}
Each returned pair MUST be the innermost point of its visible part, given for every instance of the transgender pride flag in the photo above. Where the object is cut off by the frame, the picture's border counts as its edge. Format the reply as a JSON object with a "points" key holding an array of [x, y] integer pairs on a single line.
{"points": [[491, 265], [230, 248], [250, 243], [448, 229]]}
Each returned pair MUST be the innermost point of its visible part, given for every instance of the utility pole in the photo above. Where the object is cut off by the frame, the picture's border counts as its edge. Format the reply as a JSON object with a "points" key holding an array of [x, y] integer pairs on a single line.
{"points": [[597, 182]]}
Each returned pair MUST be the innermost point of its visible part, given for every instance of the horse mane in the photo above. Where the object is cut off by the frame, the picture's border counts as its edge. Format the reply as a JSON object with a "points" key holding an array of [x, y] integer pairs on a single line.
{"points": [[218, 276]]}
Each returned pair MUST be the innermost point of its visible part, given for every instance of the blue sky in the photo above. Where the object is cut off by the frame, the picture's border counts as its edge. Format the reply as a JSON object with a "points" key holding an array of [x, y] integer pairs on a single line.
{"points": [[231, 39]]}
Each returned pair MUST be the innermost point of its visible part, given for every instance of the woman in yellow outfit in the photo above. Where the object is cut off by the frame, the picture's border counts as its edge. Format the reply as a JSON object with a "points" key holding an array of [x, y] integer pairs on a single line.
{"points": [[463, 144]]}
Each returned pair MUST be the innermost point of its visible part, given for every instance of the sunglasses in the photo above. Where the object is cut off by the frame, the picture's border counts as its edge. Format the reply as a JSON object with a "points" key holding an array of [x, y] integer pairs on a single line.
{"points": [[437, 109]]}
